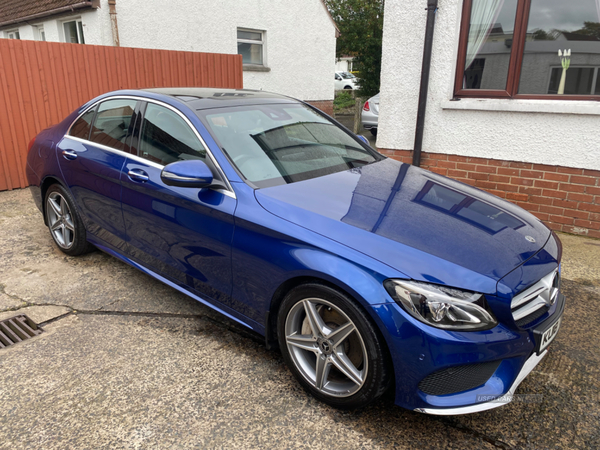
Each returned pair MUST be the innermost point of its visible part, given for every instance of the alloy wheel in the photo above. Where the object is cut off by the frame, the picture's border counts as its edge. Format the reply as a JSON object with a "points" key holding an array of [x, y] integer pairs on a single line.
{"points": [[326, 347], [60, 220]]}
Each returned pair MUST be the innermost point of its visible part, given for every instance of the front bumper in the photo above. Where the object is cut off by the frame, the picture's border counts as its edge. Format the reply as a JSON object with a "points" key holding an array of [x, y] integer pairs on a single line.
{"points": [[420, 351], [496, 402]]}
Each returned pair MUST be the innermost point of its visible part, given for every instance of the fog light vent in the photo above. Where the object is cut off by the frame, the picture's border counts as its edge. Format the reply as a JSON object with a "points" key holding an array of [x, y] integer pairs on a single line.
{"points": [[457, 379], [17, 329]]}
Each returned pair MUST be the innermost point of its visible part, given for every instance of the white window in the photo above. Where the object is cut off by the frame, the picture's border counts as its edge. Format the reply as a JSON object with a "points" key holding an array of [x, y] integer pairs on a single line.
{"points": [[251, 45], [40, 34], [13, 34], [73, 31]]}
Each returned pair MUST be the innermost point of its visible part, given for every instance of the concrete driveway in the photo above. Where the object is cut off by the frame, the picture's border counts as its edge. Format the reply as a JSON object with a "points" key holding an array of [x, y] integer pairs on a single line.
{"points": [[126, 362]]}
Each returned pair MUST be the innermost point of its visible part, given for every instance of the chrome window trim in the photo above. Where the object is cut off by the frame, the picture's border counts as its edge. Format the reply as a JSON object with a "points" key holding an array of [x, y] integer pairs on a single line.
{"points": [[229, 191]]}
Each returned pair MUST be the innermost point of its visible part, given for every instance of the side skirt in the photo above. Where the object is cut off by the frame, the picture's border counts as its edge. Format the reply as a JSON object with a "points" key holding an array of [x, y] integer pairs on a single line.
{"points": [[226, 311]]}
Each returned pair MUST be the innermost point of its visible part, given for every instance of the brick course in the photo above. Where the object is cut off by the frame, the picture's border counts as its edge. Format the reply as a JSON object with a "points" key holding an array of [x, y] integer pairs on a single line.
{"points": [[565, 198], [324, 105]]}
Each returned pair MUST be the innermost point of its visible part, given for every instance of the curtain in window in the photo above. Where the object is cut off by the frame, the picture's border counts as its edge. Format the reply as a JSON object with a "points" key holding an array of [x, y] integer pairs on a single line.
{"points": [[484, 14]]}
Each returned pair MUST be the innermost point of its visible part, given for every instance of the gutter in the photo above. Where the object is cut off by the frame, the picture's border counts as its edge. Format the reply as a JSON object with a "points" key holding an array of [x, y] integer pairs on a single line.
{"points": [[51, 12], [432, 7]]}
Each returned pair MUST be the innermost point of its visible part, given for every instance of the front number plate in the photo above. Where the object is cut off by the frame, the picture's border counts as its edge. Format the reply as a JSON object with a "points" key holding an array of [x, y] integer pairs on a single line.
{"points": [[549, 335]]}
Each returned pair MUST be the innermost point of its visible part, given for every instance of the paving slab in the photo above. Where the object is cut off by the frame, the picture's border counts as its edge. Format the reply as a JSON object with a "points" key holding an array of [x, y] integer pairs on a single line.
{"points": [[122, 371]]}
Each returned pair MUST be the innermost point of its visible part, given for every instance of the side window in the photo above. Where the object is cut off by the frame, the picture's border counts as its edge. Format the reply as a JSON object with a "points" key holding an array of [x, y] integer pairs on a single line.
{"points": [[167, 138], [113, 123], [82, 126]]}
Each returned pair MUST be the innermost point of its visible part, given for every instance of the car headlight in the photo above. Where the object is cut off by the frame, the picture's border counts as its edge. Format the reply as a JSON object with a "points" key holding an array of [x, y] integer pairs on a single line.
{"points": [[441, 306]]}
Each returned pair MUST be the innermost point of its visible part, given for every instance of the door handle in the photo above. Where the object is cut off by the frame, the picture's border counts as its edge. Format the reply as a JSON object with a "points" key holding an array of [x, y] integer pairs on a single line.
{"points": [[138, 175], [69, 154]]}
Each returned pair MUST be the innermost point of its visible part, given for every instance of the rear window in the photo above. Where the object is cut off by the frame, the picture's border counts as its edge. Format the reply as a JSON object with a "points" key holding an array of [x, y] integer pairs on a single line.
{"points": [[113, 123], [82, 126], [284, 143]]}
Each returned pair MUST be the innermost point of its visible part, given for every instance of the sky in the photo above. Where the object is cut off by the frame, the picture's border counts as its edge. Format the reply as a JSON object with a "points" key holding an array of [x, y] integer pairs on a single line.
{"points": [[551, 14]]}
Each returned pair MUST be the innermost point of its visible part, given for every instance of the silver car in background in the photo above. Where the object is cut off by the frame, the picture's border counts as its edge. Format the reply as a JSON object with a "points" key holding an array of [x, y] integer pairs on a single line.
{"points": [[370, 114]]}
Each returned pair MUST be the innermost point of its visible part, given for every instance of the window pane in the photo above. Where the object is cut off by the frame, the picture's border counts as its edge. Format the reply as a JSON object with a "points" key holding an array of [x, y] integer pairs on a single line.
{"points": [[597, 90], [80, 28], [558, 25], [112, 123], [577, 82], [250, 35], [282, 143], [167, 138], [251, 53], [70, 32], [491, 33], [81, 128]]}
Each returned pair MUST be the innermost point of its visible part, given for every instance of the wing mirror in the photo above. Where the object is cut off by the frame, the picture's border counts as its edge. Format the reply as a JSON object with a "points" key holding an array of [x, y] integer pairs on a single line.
{"points": [[192, 174]]}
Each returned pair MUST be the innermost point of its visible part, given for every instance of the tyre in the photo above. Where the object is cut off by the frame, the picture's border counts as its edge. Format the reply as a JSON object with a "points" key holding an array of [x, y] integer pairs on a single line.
{"points": [[64, 222], [331, 347], [374, 131], [347, 88]]}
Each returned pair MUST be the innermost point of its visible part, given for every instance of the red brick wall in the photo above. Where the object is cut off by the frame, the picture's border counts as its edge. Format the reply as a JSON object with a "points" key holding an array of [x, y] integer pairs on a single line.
{"points": [[566, 199], [324, 105]]}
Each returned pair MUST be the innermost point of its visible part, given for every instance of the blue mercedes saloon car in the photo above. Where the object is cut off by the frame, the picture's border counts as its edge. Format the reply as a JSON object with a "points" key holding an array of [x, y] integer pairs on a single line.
{"points": [[372, 277]]}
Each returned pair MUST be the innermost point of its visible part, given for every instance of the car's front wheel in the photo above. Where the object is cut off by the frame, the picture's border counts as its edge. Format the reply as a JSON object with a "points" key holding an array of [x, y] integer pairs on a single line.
{"points": [[332, 347], [64, 222]]}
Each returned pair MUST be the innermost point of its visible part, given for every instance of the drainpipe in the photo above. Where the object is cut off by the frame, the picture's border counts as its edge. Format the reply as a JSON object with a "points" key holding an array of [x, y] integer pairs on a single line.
{"points": [[112, 9], [432, 7]]}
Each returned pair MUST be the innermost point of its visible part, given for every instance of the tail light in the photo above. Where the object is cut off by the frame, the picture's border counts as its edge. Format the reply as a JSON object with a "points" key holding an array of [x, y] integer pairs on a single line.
{"points": [[31, 142], [366, 107]]}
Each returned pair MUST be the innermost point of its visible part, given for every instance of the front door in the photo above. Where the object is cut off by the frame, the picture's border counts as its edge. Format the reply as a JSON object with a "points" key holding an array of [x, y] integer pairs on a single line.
{"points": [[183, 233]]}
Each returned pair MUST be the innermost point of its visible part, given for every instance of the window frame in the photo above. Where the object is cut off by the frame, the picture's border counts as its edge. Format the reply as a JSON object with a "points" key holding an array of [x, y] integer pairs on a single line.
{"points": [[133, 142], [15, 32], [78, 27], [515, 64], [262, 44], [39, 32]]}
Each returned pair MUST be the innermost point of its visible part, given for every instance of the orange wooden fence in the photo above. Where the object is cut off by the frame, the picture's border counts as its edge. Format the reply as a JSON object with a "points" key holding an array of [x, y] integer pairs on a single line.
{"points": [[42, 82]]}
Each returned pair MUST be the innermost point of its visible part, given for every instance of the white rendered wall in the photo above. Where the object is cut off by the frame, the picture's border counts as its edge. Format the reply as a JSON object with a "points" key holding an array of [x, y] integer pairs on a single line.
{"points": [[546, 132], [300, 36]]}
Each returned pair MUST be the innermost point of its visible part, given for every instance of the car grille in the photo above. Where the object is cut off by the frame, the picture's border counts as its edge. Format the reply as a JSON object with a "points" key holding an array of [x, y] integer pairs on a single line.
{"points": [[458, 379], [531, 304]]}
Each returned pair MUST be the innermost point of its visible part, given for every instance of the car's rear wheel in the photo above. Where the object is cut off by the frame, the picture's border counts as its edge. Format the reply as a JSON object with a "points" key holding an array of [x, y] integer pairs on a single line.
{"points": [[374, 131], [332, 347], [64, 222]]}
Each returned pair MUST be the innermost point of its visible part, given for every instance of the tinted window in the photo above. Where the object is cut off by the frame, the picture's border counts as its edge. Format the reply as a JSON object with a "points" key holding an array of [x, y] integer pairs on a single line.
{"points": [[113, 122], [284, 143], [167, 138], [81, 128]]}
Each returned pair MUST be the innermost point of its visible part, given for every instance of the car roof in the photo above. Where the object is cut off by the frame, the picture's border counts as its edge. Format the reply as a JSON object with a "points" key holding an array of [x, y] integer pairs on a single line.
{"points": [[206, 98]]}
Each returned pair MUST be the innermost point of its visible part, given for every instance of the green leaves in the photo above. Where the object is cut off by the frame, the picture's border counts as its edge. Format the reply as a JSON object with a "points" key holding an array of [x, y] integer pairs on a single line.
{"points": [[361, 27]]}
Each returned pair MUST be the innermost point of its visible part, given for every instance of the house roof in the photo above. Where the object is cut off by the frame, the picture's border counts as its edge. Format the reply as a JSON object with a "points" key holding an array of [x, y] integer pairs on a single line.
{"points": [[15, 11]]}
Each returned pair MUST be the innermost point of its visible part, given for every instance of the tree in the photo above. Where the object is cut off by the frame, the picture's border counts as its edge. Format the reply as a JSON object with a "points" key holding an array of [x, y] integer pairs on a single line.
{"points": [[361, 31]]}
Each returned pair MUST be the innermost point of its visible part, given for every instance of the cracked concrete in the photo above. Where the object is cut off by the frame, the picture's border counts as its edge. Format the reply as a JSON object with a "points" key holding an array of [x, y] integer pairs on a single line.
{"points": [[132, 363]]}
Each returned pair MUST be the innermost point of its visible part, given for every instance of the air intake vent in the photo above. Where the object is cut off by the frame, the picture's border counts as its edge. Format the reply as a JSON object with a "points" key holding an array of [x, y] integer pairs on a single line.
{"points": [[17, 329], [458, 379], [533, 303]]}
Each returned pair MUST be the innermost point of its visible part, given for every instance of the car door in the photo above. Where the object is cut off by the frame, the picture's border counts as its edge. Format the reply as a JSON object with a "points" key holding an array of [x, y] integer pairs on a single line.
{"points": [[91, 157], [183, 233]]}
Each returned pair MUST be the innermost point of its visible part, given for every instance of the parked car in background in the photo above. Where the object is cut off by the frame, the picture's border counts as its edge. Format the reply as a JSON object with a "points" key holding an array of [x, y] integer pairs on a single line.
{"points": [[345, 80], [370, 275], [370, 114]]}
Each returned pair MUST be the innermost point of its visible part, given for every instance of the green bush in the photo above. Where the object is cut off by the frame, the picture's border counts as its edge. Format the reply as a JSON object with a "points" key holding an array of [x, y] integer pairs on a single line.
{"points": [[343, 100]]}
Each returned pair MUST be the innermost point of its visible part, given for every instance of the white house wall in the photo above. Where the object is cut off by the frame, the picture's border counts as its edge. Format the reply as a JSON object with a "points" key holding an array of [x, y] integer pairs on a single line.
{"points": [[554, 132]]}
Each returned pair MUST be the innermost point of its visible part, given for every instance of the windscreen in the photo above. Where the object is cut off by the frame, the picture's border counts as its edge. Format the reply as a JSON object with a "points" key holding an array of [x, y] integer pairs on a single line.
{"points": [[284, 143]]}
